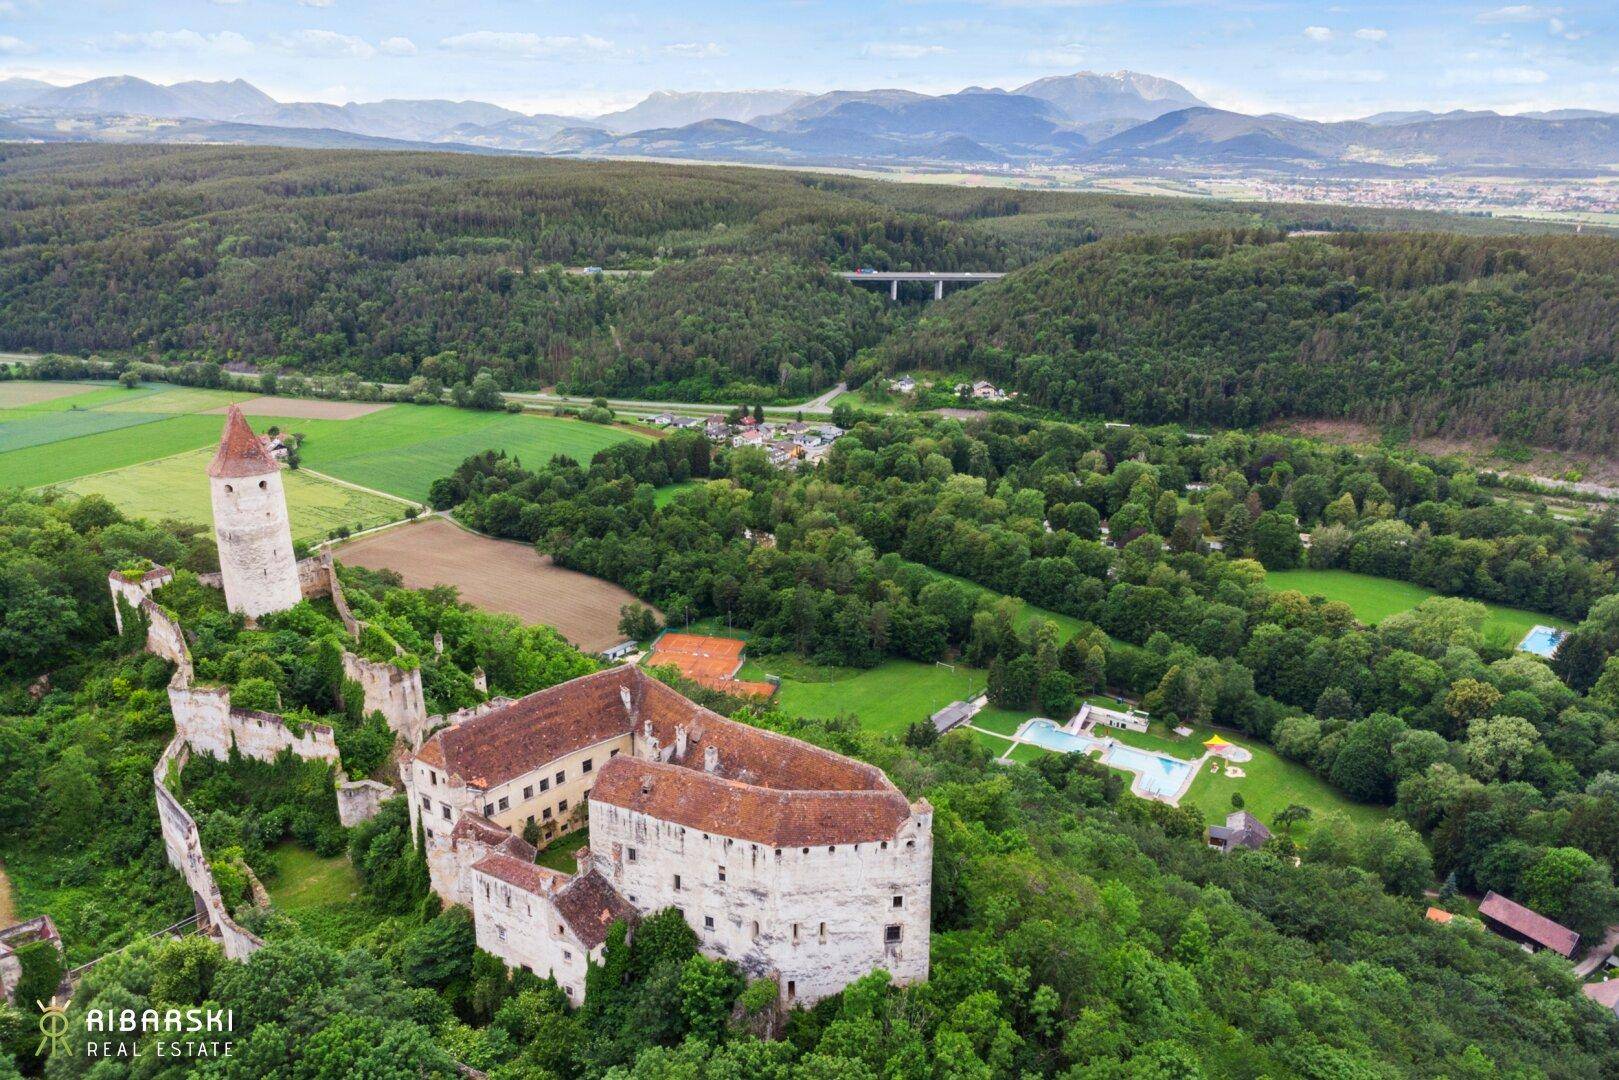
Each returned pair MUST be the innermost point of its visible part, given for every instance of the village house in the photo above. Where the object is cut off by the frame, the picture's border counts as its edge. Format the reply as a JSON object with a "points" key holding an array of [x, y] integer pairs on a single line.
{"points": [[902, 385], [1241, 830], [1527, 927], [796, 863]]}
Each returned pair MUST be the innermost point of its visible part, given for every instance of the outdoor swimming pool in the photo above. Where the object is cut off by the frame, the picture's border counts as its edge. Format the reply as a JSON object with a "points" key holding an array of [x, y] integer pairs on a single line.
{"points": [[1542, 641], [1157, 774]]}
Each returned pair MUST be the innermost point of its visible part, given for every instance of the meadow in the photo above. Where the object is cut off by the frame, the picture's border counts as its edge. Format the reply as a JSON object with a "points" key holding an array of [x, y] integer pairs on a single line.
{"points": [[887, 698], [177, 487], [48, 436], [1374, 599]]}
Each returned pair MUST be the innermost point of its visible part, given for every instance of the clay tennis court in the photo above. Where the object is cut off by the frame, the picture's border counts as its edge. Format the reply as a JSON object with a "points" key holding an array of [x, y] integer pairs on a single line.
{"points": [[497, 575], [306, 408], [710, 661]]}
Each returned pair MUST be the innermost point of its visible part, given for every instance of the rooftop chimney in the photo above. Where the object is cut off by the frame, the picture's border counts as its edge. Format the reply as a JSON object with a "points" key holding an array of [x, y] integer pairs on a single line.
{"points": [[711, 759]]}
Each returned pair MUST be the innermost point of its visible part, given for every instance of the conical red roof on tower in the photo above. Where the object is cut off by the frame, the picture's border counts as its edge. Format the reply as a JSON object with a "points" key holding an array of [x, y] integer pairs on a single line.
{"points": [[240, 451]]}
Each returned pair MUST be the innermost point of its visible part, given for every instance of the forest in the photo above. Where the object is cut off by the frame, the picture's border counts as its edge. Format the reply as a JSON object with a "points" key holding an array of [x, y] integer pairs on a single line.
{"points": [[1079, 932], [1435, 333], [392, 265]]}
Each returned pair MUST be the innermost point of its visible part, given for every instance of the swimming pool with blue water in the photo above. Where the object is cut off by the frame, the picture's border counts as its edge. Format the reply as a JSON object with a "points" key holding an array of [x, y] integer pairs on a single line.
{"points": [[1158, 774]]}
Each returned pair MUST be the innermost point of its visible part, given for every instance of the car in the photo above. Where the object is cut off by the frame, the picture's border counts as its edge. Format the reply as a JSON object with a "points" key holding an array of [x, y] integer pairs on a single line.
{"points": [[593, 269], [866, 270]]}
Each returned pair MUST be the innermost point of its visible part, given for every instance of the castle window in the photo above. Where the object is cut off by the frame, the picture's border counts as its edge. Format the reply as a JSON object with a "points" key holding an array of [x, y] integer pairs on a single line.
{"points": [[562, 775], [795, 933], [568, 990], [792, 989], [586, 765], [546, 813], [677, 883], [562, 807], [432, 777], [899, 901], [528, 791], [708, 922], [754, 933], [446, 809], [823, 933], [488, 809], [884, 845], [263, 485], [229, 489], [910, 843], [505, 803], [545, 785], [632, 854], [722, 873], [612, 753], [891, 934], [427, 804], [566, 955]]}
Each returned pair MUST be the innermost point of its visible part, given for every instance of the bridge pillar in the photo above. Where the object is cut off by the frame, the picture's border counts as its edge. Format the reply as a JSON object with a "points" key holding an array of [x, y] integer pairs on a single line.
{"points": [[938, 289], [893, 289]]}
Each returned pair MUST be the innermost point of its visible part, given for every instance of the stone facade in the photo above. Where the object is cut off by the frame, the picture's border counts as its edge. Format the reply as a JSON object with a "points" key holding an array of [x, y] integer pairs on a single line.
{"points": [[393, 691], [205, 718], [256, 560], [12, 938], [797, 863]]}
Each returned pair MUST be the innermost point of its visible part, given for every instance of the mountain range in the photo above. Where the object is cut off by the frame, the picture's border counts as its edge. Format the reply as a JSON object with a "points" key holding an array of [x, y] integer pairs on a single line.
{"points": [[1123, 119]]}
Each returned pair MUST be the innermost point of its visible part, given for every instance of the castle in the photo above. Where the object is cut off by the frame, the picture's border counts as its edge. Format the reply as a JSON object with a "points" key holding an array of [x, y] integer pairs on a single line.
{"points": [[797, 863]]}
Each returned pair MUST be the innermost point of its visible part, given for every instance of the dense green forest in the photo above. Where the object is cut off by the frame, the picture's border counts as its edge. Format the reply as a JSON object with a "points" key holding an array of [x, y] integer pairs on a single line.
{"points": [[373, 263], [1444, 333], [1079, 932]]}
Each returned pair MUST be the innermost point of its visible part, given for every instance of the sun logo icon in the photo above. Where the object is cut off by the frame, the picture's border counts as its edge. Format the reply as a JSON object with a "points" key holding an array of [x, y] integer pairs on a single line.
{"points": [[52, 1026]]}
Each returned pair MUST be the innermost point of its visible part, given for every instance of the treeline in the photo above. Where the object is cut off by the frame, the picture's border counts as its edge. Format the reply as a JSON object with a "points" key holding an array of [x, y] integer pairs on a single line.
{"points": [[1512, 337], [1425, 711]]}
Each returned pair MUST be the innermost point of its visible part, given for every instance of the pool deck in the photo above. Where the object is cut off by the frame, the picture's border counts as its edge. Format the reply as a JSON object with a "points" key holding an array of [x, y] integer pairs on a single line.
{"points": [[1227, 751]]}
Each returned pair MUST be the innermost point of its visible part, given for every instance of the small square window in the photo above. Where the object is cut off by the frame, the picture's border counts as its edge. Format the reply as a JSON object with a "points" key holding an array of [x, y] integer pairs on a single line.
{"points": [[505, 803], [891, 934], [488, 809], [446, 810], [528, 791], [586, 765], [899, 901], [546, 813], [545, 785], [722, 873], [562, 807], [708, 922], [562, 775], [427, 804], [632, 854]]}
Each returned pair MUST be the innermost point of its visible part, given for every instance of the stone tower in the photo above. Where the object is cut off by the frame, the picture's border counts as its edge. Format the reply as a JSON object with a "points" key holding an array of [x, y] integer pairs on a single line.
{"points": [[260, 571]]}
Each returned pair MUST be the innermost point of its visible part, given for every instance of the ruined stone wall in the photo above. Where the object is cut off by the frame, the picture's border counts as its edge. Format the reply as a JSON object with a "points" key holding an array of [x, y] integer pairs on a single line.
{"points": [[392, 691], [814, 918], [163, 635], [205, 718], [359, 800], [183, 846]]}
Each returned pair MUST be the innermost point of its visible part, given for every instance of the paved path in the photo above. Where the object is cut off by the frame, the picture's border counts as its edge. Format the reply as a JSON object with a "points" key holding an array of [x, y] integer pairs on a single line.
{"points": [[1599, 954]]}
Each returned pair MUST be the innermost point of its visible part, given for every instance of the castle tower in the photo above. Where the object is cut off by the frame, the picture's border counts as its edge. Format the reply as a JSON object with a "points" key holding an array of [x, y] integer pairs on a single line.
{"points": [[260, 571]]}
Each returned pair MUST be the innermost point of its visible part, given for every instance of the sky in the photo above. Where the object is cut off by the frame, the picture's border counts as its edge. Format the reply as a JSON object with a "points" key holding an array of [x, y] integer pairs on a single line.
{"points": [[1317, 60]]}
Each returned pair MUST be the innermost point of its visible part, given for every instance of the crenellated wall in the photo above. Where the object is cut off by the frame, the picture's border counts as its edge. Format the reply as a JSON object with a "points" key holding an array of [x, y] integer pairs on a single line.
{"points": [[393, 691], [183, 844], [205, 718]]}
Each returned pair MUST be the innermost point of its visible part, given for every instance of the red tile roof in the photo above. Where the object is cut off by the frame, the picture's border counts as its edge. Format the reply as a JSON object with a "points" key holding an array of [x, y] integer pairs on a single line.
{"points": [[590, 906], [770, 816], [479, 829], [538, 880], [240, 451], [1531, 924]]}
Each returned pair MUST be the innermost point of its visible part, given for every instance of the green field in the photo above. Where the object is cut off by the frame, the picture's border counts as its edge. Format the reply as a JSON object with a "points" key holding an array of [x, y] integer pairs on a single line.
{"points": [[303, 879], [667, 493], [1270, 783], [400, 450], [177, 487], [1374, 599], [887, 698]]}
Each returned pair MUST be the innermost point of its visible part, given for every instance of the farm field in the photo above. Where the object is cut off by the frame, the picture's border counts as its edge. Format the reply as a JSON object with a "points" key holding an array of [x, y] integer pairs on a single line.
{"points": [[497, 575], [1374, 599], [887, 698], [177, 487], [57, 432]]}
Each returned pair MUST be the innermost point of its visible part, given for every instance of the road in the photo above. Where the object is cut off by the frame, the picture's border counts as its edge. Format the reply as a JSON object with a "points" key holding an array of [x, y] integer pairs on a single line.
{"points": [[819, 406]]}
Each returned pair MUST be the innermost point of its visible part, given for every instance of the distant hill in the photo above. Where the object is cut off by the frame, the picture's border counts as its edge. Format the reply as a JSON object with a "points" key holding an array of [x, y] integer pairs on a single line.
{"points": [[1126, 95], [17, 91], [671, 108]]}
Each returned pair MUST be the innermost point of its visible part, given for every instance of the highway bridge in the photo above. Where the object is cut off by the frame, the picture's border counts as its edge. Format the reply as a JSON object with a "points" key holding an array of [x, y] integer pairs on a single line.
{"points": [[892, 278]]}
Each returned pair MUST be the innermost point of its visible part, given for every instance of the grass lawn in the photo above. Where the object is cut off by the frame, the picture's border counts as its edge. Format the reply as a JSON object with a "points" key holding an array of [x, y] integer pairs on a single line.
{"points": [[994, 744], [1027, 753], [1002, 721], [1270, 783], [666, 494], [558, 854], [1374, 599], [306, 880], [177, 487], [887, 698]]}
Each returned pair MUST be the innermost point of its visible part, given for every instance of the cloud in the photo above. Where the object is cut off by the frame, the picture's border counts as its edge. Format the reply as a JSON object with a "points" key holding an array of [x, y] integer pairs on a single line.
{"points": [[1558, 28], [326, 43], [14, 46], [700, 49], [223, 43], [1513, 13], [529, 46], [397, 46], [887, 50], [1371, 33], [1318, 33]]}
